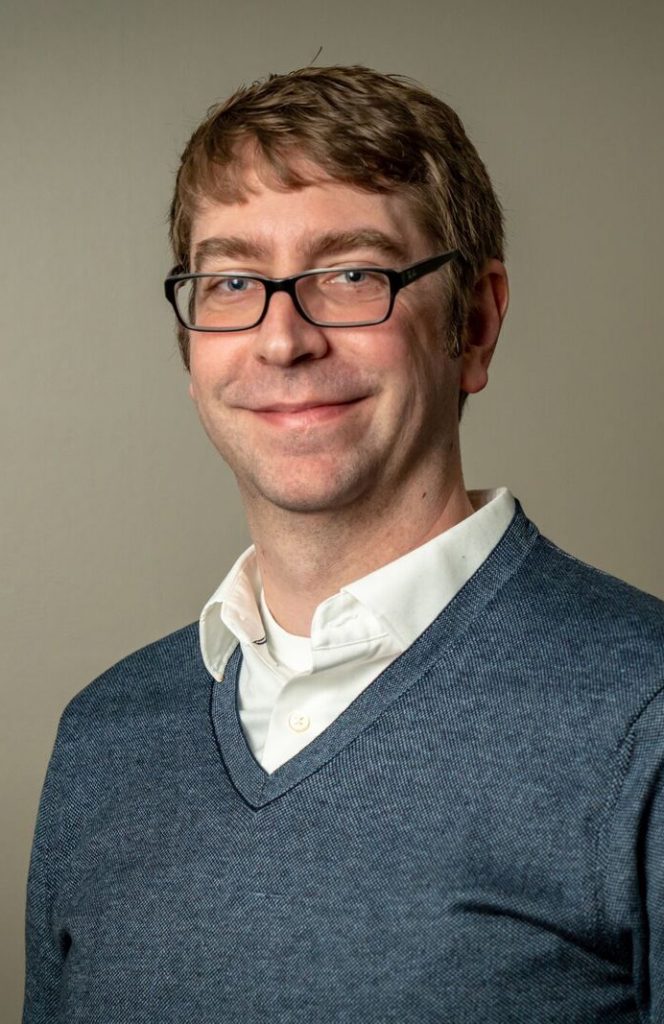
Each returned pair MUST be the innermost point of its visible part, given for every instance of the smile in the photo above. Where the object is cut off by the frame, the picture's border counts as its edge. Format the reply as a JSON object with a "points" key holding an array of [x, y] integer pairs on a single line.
{"points": [[305, 414]]}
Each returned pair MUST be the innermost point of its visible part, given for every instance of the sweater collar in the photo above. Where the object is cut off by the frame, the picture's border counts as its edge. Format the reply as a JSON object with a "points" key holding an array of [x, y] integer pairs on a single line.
{"points": [[439, 647]]}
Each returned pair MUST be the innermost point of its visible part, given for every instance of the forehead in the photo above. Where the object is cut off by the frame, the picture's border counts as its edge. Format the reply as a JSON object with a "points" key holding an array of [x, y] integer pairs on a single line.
{"points": [[318, 215]]}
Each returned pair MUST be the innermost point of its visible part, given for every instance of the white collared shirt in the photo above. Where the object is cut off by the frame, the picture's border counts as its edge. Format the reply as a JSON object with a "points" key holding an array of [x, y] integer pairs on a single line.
{"points": [[291, 688]]}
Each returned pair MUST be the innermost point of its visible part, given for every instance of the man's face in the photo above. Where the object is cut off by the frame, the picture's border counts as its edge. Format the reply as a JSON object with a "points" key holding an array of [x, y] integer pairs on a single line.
{"points": [[315, 419]]}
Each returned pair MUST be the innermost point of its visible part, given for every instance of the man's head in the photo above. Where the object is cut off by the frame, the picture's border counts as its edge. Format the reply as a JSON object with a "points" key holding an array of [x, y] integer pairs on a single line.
{"points": [[356, 176], [381, 133]]}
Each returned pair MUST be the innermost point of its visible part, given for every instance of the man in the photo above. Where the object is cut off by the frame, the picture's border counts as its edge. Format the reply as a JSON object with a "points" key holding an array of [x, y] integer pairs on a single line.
{"points": [[408, 767]]}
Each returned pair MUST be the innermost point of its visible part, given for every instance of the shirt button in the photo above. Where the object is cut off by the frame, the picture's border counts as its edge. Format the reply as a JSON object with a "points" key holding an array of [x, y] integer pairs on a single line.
{"points": [[299, 723]]}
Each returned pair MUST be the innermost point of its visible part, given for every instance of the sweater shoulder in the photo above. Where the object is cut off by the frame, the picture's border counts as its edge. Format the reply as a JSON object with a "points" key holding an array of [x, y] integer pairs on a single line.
{"points": [[592, 623], [150, 678], [594, 595]]}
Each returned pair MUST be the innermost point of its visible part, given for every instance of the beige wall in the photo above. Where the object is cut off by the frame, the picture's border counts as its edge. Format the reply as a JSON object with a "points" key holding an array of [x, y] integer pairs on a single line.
{"points": [[118, 519]]}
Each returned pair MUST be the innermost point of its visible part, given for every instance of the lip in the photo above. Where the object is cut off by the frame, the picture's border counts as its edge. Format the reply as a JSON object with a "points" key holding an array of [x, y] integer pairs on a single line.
{"points": [[305, 413]]}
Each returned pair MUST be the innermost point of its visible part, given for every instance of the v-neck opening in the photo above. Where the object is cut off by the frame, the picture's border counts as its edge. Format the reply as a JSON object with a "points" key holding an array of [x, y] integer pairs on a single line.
{"points": [[259, 787]]}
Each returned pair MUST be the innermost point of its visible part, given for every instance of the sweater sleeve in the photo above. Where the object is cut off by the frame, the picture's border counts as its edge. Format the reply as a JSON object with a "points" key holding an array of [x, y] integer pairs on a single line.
{"points": [[654, 882], [632, 855], [45, 952]]}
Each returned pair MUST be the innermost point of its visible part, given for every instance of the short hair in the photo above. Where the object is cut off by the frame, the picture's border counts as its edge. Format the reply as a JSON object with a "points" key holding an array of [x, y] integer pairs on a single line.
{"points": [[378, 132]]}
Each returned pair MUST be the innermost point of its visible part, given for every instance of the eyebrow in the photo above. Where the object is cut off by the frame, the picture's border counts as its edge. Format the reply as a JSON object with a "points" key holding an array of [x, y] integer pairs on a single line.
{"points": [[229, 247], [331, 243]]}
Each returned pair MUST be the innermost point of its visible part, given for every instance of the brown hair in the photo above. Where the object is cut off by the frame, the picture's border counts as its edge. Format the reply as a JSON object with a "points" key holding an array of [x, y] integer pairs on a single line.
{"points": [[375, 131]]}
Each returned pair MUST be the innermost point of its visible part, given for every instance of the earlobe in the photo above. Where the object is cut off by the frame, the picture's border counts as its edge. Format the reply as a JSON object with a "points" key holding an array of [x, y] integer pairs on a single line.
{"points": [[485, 318]]}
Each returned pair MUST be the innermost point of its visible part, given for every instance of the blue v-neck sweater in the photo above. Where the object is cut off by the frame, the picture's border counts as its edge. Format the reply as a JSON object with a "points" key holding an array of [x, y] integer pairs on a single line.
{"points": [[478, 838]]}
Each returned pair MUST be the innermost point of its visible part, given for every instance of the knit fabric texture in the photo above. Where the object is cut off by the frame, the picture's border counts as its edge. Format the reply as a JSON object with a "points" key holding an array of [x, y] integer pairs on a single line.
{"points": [[478, 838]]}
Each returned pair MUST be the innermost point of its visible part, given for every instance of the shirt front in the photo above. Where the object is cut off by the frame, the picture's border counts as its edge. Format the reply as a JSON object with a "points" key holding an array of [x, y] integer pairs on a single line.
{"points": [[291, 688]]}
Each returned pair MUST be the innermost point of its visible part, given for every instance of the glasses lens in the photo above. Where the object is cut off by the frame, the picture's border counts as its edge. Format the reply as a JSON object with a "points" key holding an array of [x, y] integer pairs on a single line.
{"points": [[220, 301], [345, 296]]}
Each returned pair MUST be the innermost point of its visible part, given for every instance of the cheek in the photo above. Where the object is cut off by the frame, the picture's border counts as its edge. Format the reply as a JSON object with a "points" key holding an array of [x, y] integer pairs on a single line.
{"points": [[210, 366], [429, 378], [411, 356]]}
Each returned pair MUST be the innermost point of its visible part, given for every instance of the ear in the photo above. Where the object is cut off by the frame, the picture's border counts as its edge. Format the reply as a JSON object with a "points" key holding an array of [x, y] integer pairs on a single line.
{"points": [[485, 317]]}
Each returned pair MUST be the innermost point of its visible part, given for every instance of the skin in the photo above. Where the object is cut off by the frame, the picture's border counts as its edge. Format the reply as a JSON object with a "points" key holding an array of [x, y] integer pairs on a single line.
{"points": [[344, 441]]}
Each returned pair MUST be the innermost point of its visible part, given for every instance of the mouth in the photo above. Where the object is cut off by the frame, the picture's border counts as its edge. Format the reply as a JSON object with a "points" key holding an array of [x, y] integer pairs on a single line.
{"points": [[300, 414]]}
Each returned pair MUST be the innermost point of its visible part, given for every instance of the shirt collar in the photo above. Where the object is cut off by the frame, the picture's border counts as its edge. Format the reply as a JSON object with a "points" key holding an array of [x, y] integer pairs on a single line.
{"points": [[399, 599], [408, 593], [231, 614]]}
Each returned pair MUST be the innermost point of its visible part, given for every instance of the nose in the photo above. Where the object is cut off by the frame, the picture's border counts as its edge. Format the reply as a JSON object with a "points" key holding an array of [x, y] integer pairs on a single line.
{"points": [[284, 337]]}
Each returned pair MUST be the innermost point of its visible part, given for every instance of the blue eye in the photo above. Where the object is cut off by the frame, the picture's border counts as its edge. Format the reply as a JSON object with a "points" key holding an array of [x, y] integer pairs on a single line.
{"points": [[227, 287], [356, 281], [354, 276], [350, 278], [214, 291], [237, 284]]}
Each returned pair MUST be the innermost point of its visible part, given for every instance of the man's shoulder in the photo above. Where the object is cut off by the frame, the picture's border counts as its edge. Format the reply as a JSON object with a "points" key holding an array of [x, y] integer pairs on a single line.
{"points": [[588, 609], [152, 677], [538, 579], [591, 591], [567, 635]]}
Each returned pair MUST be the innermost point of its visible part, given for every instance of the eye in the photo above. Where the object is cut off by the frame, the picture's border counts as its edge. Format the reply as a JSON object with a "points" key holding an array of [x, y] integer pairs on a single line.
{"points": [[350, 277], [234, 284], [356, 281], [226, 288], [355, 276]]}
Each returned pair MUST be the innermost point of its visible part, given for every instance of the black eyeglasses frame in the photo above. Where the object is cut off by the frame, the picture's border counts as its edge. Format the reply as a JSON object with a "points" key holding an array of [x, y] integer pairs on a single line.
{"points": [[398, 279]]}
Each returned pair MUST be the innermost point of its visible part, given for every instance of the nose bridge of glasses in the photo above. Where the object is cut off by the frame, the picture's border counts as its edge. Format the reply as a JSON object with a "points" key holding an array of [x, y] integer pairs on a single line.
{"points": [[289, 285], [285, 333]]}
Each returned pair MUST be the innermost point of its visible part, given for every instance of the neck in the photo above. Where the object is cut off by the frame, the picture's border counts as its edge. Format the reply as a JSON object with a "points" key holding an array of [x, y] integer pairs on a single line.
{"points": [[306, 557]]}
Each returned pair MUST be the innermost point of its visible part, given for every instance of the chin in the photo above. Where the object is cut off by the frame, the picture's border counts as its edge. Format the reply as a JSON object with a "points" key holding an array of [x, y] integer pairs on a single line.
{"points": [[307, 501], [315, 493], [311, 482]]}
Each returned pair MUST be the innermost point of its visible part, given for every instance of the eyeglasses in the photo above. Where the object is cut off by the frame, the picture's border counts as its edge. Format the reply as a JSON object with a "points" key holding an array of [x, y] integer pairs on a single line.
{"points": [[340, 297]]}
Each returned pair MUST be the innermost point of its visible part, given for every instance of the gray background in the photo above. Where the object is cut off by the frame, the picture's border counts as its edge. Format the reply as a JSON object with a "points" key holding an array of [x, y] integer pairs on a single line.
{"points": [[118, 518]]}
